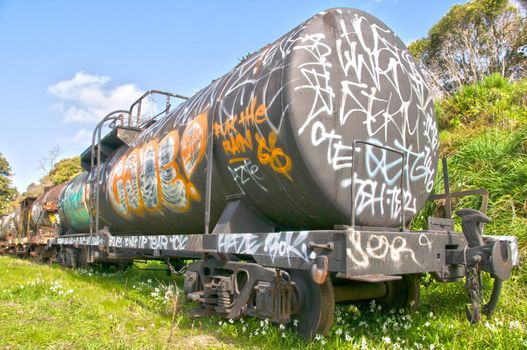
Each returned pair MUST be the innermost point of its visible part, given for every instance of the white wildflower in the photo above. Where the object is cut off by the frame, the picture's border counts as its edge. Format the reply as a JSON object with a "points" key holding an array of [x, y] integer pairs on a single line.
{"points": [[363, 343], [490, 326], [387, 340]]}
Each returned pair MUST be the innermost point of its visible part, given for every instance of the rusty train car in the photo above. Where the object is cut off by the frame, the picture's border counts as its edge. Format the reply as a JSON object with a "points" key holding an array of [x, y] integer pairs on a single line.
{"points": [[290, 182], [30, 227]]}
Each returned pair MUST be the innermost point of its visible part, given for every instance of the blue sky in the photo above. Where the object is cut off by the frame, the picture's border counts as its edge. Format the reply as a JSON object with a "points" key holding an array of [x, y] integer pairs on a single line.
{"points": [[65, 64]]}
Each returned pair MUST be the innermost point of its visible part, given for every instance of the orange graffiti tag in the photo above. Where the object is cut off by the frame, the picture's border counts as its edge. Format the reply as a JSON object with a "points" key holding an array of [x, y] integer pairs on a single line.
{"points": [[237, 138], [268, 153], [252, 115], [149, 176]]}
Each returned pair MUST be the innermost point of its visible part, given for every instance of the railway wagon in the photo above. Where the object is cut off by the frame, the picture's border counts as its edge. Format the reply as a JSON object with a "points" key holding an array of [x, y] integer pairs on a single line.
{"points": [[34, 222], [290, 182]]}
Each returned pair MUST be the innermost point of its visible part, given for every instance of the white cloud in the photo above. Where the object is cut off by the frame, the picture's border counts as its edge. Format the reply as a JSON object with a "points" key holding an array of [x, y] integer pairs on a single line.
{"points": [[82, 137], [85, 98]]}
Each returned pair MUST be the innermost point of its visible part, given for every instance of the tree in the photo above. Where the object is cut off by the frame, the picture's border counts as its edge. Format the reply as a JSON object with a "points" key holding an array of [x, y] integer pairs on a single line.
{"points": [[65, 170], [474, 40], [61, 171], [7, 192], [46, 163]]}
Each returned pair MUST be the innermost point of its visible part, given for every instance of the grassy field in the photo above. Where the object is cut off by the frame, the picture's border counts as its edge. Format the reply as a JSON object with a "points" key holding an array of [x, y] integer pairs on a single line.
{"points": [[54, 307]]}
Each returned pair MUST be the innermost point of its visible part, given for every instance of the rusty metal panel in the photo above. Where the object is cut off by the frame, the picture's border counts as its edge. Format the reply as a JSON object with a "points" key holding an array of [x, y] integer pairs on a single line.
{"points": [[44, 211]]}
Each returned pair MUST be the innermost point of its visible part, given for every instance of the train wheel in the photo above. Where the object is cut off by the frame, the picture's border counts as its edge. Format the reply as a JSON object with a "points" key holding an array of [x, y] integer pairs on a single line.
{"points": [[313, 305], [402, 294]]}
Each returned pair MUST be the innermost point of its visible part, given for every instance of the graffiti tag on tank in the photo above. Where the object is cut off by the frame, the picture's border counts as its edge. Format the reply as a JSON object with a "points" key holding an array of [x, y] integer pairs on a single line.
{"points": [[74, 203], [365, 78], [248, 148], [158, 173]]}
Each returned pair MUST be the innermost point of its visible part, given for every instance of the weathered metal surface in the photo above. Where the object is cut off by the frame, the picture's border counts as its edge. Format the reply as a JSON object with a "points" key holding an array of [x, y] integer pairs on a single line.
{"points": [[391, 253], [7, 226], [23, 218], [350, 253], [44, 211], [284, 122], [74, 204]]}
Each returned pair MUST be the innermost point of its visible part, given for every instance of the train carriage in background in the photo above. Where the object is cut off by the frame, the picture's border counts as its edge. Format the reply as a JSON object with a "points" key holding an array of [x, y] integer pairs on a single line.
{"points": [[290, 181], [44, 220], [7, 232], [35, 221]]}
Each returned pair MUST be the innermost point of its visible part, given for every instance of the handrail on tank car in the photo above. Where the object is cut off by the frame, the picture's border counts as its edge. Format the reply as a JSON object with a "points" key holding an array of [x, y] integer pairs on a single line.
{"points": [[97, 131], [139, 101], [403, 156]]}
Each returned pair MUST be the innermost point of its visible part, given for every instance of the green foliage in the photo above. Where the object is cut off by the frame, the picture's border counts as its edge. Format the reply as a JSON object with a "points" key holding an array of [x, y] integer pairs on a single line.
{"points": [[65, 170], [7, 192], [473, 40], [493, 102], [485, 142], [496, 160], [62, 171]]}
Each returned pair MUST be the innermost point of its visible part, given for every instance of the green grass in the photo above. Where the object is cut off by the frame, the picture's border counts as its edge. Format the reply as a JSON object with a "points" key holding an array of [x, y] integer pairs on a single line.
{"points": [[59, 308]]}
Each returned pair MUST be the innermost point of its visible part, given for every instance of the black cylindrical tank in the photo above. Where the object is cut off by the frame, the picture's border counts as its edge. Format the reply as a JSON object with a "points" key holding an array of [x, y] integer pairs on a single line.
{"points": [[287, 123]]}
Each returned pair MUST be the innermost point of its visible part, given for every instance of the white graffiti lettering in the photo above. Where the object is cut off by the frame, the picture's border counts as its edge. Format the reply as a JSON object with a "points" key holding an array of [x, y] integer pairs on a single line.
{"points": [[286, 245]]}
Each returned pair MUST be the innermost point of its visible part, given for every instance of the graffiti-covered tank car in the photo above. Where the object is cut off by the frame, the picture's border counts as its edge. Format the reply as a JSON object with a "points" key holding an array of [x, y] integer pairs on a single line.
{"points": [[286, 123], [304, 159]]}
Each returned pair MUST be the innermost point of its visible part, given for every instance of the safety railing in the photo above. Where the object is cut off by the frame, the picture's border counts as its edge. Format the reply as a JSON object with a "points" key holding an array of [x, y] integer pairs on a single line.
{"points": [[136, 116]]}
